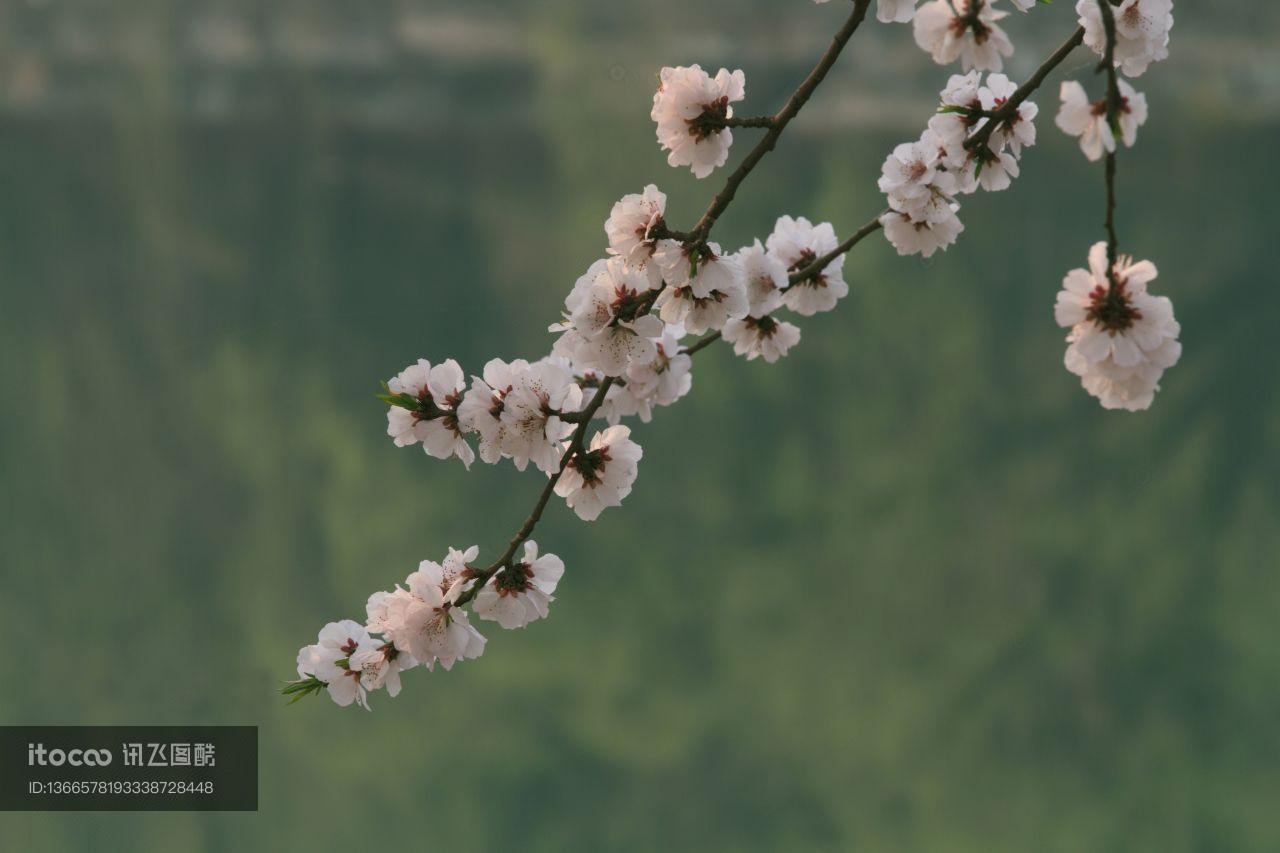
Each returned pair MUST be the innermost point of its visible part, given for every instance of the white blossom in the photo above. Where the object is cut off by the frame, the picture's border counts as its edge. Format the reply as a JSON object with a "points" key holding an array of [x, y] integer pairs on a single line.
{"points": [[924, 237], [765, 276], [707, 299], [1078, 116], [761, 334], [380, 665], [1142, 32], [797, 243], [662, 381], [482, 406], [1021, 130], [606, 325], [329, 660], [433, 629], [911, 170], [437, 393], [531, 427], [700, 314], [1121, 338], [602, 474], [689, 108], [629, 225], [963, 29], [519, 594], [516, 406], [996, 169]]}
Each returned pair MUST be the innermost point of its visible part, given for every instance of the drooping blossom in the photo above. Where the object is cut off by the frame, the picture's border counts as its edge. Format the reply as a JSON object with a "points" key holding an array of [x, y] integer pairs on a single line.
{"points": [[1121, 338]]}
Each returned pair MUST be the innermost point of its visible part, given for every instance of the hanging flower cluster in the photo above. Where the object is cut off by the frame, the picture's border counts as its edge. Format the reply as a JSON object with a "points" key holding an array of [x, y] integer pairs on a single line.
{"points": [[620, 350], [1122, 338]]}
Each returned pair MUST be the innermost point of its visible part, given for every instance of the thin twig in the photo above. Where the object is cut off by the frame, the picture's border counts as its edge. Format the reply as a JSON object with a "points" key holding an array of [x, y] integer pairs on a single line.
{"points": [[1108, 64], [747, 121]]}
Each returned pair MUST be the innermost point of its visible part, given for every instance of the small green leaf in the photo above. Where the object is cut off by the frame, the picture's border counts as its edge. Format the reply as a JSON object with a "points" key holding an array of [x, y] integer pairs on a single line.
{"points": [[302, 688], [403, 401]]}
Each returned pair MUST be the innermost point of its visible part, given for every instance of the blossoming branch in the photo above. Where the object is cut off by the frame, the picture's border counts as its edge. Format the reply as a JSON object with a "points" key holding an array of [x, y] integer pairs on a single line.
{"points": [[620, 351]]}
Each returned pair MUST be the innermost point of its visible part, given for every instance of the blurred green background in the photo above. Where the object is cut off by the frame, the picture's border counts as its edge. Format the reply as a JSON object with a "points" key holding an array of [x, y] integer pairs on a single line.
{"points": [[911, 589]]}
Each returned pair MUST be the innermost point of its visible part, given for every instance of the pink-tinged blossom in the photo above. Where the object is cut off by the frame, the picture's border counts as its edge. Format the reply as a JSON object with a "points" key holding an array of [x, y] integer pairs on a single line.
{"points": [[690, 107]]}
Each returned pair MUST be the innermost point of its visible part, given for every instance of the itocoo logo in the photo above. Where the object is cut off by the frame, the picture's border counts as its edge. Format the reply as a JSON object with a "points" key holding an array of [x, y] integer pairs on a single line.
{"points": [[38, 755]]}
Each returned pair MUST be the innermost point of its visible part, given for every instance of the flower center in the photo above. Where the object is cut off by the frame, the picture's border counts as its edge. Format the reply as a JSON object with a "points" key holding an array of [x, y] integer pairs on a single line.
{"points": [[1111, 308], [514, 580], [710, 120], [591, 464], [629, 304], [764, 326]]}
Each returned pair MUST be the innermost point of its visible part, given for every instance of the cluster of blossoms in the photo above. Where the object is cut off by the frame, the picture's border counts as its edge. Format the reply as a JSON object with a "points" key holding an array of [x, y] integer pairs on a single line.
{"points": [[922, 179], [620, 333], [422, 623], [624, 321], [618, 351]]}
